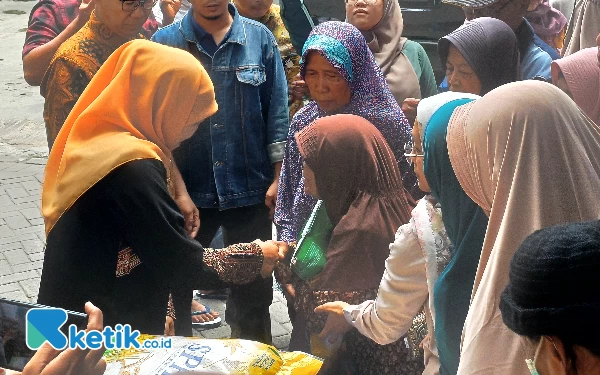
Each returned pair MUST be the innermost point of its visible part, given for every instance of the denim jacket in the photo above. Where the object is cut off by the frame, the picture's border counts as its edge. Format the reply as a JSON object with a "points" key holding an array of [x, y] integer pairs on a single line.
{"points": [[227, 163]]}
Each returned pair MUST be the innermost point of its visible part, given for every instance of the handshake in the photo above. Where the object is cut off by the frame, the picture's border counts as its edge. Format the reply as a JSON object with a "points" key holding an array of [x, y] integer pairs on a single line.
{"points": [[273, 253]]}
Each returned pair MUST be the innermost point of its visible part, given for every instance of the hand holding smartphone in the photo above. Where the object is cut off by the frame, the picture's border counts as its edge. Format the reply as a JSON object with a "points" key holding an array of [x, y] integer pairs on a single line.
{"points": [[14, 352]]}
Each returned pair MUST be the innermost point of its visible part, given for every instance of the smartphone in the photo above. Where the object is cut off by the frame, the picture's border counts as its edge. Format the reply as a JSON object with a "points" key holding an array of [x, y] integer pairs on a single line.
{"points": [[14, 353]]}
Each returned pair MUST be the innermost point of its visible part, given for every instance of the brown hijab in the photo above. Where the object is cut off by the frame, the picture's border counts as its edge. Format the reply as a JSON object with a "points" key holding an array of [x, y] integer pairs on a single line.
{"points": [[386, 42], [358, 179]]}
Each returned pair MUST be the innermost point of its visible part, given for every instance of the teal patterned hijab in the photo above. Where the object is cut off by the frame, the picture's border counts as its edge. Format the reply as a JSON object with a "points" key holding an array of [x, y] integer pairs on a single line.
{"points": [[465, 224]]}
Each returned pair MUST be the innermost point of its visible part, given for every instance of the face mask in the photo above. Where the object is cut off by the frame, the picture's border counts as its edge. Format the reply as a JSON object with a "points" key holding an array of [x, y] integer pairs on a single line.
{"points": [[547, 360]]}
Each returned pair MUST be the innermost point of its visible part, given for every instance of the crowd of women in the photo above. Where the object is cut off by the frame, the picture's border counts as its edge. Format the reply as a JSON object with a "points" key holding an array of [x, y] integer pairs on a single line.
{"points": [[497, 158], [464, 231]]}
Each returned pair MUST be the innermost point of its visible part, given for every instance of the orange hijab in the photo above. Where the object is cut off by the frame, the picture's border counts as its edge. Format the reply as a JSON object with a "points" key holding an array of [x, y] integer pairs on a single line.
{"points": [[142, 103]]}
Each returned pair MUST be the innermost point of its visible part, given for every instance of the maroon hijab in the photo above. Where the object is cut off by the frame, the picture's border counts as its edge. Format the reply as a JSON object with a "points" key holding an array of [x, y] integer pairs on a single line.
{"points": [[358, 179]]}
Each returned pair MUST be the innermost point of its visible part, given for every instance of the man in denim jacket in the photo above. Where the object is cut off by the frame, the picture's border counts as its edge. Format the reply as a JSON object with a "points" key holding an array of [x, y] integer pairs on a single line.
{"points": [[231, 164]]}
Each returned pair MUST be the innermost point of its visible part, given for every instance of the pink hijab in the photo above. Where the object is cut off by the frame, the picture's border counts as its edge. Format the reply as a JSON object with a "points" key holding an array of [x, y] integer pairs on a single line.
{"points": [[582, 74], [530, 158]]}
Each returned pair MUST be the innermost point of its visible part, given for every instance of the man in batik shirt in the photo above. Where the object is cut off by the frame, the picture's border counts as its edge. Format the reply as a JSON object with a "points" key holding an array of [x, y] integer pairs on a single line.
{"points": [[111, 24], [51, 23]]}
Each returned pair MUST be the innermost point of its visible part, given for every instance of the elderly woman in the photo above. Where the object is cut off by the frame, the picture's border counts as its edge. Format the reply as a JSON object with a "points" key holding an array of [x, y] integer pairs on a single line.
{"points": [[348, 164], [106, 201], [464, 221], [342, 77], [578, 75], [421, 251], [529, 157], [479, 56], [552, 285], [404, 63]]}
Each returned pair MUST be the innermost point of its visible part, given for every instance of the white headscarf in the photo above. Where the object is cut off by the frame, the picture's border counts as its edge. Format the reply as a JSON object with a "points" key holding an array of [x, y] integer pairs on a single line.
{"points": [[428, 106]]}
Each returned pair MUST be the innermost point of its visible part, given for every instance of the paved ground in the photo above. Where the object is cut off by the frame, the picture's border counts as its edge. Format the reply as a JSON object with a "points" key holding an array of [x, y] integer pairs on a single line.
{"points": [[23, 153], [21, 227], [21, 106]]}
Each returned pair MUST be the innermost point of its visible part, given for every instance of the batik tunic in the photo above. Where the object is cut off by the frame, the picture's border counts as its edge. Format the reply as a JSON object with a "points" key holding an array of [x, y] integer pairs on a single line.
{"points": [[101, 250], [346, 49]]}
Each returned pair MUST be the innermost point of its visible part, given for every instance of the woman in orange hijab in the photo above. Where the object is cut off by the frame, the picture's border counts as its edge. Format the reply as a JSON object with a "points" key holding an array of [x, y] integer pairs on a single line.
{"points": [[106, 201]]}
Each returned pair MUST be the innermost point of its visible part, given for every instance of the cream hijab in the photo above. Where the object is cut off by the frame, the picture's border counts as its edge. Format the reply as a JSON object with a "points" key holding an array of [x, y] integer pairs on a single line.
{"points": [[583, 27], [386, 42], [145, 99], [530, 158]]}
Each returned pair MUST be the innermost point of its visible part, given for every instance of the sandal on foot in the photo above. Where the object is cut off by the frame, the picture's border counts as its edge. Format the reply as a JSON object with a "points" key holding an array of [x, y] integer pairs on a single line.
{"points": [[210, 324]]}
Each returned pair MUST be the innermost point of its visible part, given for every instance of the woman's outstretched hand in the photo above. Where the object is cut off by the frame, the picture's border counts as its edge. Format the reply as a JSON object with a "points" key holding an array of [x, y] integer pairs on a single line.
{"points": [[336, 324]]}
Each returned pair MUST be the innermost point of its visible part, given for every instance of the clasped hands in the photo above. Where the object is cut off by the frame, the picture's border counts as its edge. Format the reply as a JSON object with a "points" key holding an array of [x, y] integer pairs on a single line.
{"points": [[273, 253]]}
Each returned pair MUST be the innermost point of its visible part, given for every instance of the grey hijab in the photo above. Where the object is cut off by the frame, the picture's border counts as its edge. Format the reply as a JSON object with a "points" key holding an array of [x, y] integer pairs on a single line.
{"points": [[490, 47]]}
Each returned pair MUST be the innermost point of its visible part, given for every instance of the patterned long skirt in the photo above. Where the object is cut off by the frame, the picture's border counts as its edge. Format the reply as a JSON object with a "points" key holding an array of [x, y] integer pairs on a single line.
{"points": [[367, 356]]}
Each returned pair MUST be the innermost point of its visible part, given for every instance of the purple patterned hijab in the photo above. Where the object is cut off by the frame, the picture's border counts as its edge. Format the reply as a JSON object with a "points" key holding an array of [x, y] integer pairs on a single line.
{"points": [[345, 48]]}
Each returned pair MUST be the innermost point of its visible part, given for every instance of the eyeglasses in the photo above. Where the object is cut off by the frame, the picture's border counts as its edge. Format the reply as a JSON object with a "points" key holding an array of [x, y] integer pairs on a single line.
{"points": [[409, 151], [131, 5], [368, 2]]}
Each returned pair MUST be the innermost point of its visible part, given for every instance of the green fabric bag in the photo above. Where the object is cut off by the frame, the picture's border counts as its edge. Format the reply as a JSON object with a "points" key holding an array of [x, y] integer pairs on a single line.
{"points": [[311, 249]]}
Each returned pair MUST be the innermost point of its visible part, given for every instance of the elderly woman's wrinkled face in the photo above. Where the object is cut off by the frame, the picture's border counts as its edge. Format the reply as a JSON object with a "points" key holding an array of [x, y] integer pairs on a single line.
{"points": [[310, 183], [254, 9], [326, 85], [364, 14], [461, 77], [417, 160]]}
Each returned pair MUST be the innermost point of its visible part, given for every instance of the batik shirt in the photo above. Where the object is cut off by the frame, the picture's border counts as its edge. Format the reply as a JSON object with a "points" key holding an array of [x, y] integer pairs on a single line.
{"points": [[73, 66], [49, 18]]}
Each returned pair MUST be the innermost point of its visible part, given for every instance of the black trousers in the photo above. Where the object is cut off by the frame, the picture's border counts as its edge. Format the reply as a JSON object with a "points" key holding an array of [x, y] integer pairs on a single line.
{"points": [[247, 311]]}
